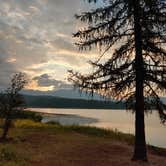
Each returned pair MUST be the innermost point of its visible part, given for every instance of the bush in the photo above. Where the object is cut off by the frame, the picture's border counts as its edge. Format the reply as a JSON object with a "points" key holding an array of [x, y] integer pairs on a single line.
{"points": [[53, 123], [30, 115]]}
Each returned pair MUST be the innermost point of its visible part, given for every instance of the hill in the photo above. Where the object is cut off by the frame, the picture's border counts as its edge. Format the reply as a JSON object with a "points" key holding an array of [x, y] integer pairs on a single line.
{"points": [[59, 102], [65, 93]]}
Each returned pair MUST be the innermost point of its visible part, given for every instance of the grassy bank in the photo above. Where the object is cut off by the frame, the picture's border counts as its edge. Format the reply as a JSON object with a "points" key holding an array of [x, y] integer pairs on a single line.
{"points": [[35, 143]]}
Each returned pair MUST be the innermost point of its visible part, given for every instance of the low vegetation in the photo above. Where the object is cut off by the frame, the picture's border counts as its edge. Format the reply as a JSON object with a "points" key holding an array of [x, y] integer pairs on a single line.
{"points": [[35, 143], [30, 115]]}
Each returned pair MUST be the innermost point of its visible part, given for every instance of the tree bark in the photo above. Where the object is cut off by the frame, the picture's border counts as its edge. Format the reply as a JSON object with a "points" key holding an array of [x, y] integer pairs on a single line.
{"points": [[140, 152], [5, 129]]}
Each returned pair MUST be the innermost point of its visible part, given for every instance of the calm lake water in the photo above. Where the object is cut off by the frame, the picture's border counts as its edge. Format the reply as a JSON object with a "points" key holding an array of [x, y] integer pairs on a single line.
{"points": [[111, 119]]}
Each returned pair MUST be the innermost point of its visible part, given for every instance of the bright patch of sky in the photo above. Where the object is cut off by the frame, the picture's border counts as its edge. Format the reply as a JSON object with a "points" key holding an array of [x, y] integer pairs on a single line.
{"points": [[36, 38]]}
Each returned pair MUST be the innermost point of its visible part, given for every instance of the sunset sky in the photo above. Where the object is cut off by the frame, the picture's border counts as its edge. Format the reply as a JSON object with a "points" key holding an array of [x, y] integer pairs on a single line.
{"points": [[36, 38]]}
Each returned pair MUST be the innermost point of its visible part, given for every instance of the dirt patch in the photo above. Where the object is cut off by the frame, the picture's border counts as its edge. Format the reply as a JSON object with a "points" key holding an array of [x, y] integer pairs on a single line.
{"points": [[73, 149]]}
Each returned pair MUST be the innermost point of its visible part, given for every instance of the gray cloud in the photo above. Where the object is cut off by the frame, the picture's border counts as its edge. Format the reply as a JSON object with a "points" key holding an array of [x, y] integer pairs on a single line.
{"points": [[45, 80], [36, 38], [63, 43]]}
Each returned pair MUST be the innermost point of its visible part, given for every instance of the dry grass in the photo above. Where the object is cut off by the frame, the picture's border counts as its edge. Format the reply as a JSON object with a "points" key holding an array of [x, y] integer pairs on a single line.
{"points": [[36, 144]]}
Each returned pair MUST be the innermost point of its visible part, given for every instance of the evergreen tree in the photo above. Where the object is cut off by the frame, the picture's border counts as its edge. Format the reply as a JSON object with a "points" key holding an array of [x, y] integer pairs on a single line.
{"points": [[136, 69]]}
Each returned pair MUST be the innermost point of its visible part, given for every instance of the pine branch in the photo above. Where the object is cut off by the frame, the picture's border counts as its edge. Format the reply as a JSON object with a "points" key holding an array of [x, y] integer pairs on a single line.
{"points": [[100, 13]]}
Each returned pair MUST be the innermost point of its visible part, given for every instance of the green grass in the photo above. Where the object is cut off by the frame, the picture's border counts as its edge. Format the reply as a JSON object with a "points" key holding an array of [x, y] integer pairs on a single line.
{"points": [[86, 130], [10, 156], [98, 132], [20, 149]]}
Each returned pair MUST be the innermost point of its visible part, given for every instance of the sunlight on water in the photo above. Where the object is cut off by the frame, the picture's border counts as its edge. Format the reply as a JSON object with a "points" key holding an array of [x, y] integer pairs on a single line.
{"points": [[119, 119]]}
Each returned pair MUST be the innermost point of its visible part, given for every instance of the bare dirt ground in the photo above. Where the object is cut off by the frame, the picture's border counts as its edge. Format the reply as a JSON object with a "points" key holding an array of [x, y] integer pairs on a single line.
{"points": [[73, 149]]}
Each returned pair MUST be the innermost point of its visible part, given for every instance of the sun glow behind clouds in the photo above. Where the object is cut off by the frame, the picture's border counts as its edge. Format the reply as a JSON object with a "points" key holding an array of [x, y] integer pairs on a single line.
{"points": [[36, 38], [11, 60], [33, 85]]}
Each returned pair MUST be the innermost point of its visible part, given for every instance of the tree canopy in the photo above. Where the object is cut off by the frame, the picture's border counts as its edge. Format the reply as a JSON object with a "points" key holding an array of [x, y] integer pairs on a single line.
{"points": [[12, 102], [135, 32], [112, 26]]}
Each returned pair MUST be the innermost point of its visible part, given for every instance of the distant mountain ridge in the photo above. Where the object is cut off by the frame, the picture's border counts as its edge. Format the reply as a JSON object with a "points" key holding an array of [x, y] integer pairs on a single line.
{"points": [[69, 98], [65, 93], [59, 102], [75, 94], [71, 94]]}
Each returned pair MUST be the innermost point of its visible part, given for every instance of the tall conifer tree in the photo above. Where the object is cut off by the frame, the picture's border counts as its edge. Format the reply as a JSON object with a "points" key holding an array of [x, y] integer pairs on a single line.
{"points": [[136, 69]]}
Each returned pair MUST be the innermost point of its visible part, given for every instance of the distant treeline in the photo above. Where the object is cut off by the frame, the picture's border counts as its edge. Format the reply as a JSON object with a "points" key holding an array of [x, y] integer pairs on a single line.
{"points": [[57, 102]]}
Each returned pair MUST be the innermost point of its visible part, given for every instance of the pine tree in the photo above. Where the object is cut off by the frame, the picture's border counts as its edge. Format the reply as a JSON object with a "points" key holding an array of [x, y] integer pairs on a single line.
{"points": [[136, 68]]}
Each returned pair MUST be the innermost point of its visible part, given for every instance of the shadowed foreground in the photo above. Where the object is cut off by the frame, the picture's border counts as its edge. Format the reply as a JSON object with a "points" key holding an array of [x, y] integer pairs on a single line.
{"points": [[37, 144]]}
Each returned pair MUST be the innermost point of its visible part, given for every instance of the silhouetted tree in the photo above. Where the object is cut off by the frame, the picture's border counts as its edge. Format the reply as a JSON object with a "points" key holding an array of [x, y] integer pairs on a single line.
{"points": [[11, 102], [135, 30]]}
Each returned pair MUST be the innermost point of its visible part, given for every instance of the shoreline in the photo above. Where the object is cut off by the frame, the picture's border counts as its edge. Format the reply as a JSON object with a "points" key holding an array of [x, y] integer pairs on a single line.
{"points": [[153, 147], [38, 144], [73, 118]]}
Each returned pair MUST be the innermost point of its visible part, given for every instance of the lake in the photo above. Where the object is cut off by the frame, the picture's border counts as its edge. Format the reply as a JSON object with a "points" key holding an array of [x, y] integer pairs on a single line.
{"points": [[111, 119]]}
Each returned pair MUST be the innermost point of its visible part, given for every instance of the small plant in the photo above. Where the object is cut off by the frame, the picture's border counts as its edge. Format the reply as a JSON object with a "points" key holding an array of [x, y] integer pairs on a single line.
{"points": [[53, 123], [6, 154]]}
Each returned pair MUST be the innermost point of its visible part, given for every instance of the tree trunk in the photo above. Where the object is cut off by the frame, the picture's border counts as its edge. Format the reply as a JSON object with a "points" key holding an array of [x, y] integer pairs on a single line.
{"points": [[6, 129], [140, 152]]}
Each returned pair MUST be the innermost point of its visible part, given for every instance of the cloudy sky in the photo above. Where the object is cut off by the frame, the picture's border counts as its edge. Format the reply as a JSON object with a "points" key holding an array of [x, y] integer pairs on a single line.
{"points": [[36, 38]]}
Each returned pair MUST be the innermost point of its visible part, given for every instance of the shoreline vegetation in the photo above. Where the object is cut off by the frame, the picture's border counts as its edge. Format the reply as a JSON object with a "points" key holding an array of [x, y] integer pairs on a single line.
{"points": [[34, 143]]}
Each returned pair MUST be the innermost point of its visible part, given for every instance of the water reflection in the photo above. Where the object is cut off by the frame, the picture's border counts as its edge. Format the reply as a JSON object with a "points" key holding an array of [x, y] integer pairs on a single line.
{"points": [[69, 119], [119, 119]]}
